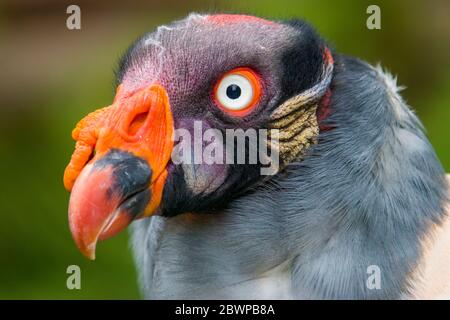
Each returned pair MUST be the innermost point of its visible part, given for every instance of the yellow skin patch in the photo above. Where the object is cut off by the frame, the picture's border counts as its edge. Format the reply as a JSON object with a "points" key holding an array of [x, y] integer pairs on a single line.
{"points": [[298, 127]]}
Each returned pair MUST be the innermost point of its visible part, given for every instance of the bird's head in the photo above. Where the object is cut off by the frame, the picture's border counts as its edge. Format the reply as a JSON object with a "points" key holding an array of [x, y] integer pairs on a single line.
{"points": [[181, 90]]}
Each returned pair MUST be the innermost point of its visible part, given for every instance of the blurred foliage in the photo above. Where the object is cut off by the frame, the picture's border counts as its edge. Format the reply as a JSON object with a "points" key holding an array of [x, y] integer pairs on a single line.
{"points": [[51, 77]]}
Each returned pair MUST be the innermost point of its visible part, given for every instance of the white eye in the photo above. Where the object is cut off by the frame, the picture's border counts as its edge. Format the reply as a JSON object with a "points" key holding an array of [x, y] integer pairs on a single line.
{"points": [[238, 91], [235, 92]]}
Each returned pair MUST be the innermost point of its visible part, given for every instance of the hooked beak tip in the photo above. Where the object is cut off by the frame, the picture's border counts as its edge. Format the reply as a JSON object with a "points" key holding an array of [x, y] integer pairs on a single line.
{"points": [[89, 251], [84, 245], [91, 208]]}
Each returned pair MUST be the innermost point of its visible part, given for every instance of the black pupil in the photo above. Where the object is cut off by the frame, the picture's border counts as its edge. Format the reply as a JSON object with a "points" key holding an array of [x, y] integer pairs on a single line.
{"points": [[233, 91]]}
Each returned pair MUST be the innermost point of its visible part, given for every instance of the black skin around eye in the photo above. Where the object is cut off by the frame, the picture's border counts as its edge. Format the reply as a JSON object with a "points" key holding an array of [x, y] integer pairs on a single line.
{"points": [[233, 91]]}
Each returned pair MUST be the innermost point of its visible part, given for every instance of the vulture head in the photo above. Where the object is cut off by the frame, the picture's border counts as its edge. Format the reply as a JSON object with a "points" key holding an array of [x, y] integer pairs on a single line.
{"points": [[333, 164], [217, 72]]}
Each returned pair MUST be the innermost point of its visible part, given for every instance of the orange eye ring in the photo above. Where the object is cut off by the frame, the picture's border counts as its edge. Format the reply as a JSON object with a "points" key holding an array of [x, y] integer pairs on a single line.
{"points": [[246, 84]]}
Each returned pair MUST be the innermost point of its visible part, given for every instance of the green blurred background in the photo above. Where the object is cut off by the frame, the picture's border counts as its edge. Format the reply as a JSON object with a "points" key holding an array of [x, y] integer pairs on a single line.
{"points": [[51, 77]]}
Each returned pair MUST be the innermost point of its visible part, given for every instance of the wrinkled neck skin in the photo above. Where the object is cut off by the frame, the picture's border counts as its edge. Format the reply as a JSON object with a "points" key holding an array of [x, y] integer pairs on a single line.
{"points": [[365, 195]]}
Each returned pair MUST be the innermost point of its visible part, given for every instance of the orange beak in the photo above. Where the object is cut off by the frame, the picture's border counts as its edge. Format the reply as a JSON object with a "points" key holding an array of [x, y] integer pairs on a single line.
{"points": [[118, 170]]}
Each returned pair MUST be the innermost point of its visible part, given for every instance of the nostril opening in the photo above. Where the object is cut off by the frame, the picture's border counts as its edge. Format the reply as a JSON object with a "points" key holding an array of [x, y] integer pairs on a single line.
{"points": [[137, 123]]}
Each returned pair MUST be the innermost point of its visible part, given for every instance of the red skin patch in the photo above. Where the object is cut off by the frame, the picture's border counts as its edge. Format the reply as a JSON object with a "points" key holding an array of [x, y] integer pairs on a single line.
{"points": [[236, 18], [328, 56], [324, 111]]}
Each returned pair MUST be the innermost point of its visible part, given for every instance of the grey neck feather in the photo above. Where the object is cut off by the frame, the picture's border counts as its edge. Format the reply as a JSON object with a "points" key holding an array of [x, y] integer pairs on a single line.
{"points": [[364, 195]]}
